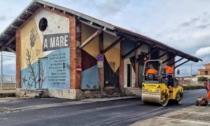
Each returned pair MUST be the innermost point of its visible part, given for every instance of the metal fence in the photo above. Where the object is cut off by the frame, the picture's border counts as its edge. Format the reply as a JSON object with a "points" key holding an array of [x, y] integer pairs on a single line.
{"points": [[7, 82]]}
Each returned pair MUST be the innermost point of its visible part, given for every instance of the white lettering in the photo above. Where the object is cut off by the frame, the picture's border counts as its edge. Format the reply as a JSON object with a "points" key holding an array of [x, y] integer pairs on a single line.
{"points": [[45, 44], [52, 42], [66, 44], [57, 42], [61, 41]]}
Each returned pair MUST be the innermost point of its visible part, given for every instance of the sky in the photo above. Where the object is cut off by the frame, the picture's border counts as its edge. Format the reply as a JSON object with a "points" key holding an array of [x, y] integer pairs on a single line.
{"points": [[184, 25]]}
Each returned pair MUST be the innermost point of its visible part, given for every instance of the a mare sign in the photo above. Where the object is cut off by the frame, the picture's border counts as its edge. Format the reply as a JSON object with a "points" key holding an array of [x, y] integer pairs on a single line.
{"points": [[55, 41]]}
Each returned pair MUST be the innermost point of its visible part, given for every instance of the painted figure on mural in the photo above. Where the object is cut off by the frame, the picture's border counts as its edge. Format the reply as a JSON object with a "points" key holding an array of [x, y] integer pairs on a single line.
{"points": [[34, 77]]}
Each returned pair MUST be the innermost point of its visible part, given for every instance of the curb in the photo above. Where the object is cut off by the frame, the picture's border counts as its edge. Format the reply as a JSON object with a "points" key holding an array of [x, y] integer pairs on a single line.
{"points": [[111, 99]]}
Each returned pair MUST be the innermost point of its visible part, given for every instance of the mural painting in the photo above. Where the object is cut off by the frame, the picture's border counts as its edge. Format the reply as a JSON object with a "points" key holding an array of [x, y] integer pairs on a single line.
{"points": [[45, 54]]}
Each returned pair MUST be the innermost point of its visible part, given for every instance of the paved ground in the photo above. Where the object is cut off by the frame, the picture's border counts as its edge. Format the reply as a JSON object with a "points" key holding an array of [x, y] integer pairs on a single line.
{"points": [[60, 112], [191, 116]]}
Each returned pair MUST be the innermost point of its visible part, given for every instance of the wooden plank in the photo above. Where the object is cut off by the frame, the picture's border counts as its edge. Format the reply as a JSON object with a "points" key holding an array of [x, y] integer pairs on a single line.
{"points": [[90, 38], [112, 45]]}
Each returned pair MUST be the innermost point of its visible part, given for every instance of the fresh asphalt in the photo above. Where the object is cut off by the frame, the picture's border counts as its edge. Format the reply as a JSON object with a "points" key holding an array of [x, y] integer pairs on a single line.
{"points": [[111, 113]]}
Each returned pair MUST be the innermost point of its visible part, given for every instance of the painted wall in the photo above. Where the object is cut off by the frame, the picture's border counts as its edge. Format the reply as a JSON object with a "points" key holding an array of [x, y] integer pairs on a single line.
{"points": [[45, 55], [132, 82], [90, 75], [207, 66], [90, 71]]}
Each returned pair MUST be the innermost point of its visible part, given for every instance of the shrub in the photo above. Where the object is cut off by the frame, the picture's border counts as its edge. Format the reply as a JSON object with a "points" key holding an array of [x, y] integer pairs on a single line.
{"points": [[202, 78]]}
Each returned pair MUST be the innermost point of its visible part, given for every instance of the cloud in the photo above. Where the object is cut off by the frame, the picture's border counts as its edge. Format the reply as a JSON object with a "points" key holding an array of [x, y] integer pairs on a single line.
{"points": [[2, 18], [203, 51], [111, 7]]}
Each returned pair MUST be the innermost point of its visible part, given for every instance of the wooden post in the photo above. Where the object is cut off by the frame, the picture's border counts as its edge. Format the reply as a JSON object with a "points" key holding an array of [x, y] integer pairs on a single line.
{"points": [[121, 69], [101, 70], [136, 68], [18, 59], [79, 54]]}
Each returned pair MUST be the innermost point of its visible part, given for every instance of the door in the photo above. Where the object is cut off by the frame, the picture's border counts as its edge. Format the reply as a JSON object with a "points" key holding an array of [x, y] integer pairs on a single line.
{"points": [[128, 75]]}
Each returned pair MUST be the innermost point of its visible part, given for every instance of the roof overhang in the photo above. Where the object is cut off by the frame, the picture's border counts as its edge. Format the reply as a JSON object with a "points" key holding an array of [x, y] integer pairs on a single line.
{"points": [[7, 37]]}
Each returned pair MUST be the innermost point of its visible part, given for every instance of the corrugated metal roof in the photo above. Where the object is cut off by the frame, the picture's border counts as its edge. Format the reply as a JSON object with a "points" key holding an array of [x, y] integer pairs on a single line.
{"points": [[7, 36]]}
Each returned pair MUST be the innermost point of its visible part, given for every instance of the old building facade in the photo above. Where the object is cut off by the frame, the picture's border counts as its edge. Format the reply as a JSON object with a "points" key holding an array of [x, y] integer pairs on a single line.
{"points": [[64, 51]]}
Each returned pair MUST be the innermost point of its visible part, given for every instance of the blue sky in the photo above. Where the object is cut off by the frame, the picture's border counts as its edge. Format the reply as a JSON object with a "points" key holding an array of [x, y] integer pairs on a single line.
{"points": [[184, 25]]}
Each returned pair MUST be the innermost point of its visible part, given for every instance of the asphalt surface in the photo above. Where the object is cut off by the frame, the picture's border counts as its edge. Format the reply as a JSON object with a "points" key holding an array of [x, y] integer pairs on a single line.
{"points": [[111, 113]]}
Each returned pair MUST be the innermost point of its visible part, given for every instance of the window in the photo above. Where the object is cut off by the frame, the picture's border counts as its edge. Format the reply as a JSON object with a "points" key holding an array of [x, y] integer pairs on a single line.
{"points": [[206, 72], [43, 24]]}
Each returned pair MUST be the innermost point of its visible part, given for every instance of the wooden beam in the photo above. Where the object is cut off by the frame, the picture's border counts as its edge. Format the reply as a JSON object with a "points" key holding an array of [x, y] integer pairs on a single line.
{"points": [[21, 20], [90, 38], [11, 50], [10, 41], [177, 61], [121, 68], [97, 27], [168, 59], [29, 12], [112, 45], [150, 52], [132, 50], [182, 63], [101, 70], [6, 35], [15, 27], [163, 54], [136, 68]]}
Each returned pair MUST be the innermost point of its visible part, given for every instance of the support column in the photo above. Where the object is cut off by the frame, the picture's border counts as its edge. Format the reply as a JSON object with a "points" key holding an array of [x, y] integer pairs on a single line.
{"points": [[121, 69], [79, 55], [101, 70], [18, 59], [75, 59], [136, 68]]}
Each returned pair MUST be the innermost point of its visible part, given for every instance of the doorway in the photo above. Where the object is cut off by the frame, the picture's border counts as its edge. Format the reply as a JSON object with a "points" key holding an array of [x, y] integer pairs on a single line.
{"points": [[129, 75]]}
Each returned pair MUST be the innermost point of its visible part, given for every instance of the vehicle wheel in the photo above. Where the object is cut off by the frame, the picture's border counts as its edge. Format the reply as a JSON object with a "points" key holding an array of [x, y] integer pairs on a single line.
{"points": [[179, 97], [164, 99]]}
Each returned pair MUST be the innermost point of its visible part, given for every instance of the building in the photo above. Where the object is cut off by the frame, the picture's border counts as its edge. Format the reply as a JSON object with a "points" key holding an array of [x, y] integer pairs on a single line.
{"points": [[64, 51], [206, 70]]}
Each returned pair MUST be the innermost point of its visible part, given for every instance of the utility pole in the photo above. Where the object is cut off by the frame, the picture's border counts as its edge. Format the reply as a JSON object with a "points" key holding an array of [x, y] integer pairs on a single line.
{"points": [[1, 71], [191, 72]]}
